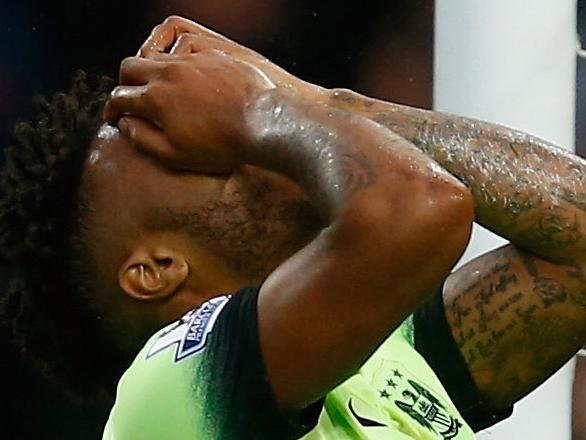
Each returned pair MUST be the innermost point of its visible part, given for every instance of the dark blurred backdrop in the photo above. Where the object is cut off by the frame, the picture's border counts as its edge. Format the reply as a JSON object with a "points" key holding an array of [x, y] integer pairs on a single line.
{"points": [[380, 48]]}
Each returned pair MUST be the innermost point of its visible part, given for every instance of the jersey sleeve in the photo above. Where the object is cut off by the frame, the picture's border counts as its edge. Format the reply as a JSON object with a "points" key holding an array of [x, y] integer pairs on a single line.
{"points": [[204, 377], [240, 397], [434, 341]]}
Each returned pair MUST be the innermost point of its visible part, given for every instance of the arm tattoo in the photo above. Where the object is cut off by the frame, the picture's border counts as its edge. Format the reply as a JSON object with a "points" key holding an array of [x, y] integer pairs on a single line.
{"points": [[515, 320], [520, 184], [549, 290], [482, 300], [527, 190], [326, 164], [575, 199]]}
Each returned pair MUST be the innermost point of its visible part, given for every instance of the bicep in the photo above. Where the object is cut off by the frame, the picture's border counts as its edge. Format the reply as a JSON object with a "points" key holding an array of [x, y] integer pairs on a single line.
{"points": [[516, 319]]}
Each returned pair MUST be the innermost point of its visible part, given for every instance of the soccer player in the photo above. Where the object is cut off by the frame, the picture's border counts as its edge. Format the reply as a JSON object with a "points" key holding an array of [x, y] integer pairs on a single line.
{"points": [[127, 235], [264, 358], [524, 189]]}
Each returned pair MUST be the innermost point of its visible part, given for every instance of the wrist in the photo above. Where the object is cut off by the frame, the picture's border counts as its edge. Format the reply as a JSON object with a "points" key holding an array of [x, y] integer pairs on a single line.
{"points": [[262, 123]]}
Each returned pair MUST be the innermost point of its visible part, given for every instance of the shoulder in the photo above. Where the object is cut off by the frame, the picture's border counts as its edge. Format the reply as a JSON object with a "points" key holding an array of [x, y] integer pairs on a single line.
{"points": [[189, 334]]}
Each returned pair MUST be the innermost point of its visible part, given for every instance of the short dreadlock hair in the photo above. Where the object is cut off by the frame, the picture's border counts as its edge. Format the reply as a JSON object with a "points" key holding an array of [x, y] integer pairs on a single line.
{"points": [[47, 303]]}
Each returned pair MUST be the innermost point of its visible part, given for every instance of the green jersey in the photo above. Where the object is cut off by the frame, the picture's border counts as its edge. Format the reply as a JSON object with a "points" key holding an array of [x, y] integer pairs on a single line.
{"points": [[395, 395], [202, 377]]}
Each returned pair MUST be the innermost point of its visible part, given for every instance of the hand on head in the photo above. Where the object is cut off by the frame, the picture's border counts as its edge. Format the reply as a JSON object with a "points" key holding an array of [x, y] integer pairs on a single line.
{"points": [[180, 36], [182, 99], [186, 110]]}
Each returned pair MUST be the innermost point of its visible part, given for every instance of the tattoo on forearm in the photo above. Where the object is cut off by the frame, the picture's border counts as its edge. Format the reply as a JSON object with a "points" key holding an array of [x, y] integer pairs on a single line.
{"points": [[576, 199], [549, 290], [519, 183], [558, 230], [526, 189], [326, 165]]}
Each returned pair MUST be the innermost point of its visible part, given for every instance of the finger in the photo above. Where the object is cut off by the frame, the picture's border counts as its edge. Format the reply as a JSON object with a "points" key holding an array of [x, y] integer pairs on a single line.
{"points": [[192, 43], [163, 36], [149, 139], [136, 71], [129, 100], [167, 59], [189, 44], [159, 41]]}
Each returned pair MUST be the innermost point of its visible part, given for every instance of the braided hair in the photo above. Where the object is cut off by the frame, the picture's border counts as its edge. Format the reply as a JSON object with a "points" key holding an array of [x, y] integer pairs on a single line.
{"points": [[47, 302]]}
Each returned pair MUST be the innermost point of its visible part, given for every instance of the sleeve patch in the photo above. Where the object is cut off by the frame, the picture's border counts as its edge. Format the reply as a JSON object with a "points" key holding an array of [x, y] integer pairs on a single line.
{"points": [[189, 336]]}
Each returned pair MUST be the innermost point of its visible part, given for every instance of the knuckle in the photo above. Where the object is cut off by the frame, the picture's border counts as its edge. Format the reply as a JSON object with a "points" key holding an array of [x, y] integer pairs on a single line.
{"points": [[126, 64], [157, 29], [153, 95], [185, 38], [173, 71], [215, 52], [117, 92], [174, 20]]}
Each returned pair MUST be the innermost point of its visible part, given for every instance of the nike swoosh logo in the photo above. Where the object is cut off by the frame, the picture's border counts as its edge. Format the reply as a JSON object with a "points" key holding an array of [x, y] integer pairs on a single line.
{"points": [[362, 420]]}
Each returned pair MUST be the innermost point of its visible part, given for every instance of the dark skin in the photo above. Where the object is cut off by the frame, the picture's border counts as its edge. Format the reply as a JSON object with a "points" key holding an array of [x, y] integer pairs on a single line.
{"points": [[356, 174], [136, 249], [517, 313], [128, 189]]}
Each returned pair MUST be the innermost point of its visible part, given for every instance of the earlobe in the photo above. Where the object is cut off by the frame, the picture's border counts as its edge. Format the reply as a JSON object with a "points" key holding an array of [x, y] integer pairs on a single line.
{"points": [[152, 275]]}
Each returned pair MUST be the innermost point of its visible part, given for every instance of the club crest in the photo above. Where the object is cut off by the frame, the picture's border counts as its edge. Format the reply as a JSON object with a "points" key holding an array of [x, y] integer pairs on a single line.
{"points": [[397, 386]]}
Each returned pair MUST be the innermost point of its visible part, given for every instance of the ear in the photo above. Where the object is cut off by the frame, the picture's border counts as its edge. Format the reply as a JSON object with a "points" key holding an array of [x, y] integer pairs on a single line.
{"points": [[153, 273]]}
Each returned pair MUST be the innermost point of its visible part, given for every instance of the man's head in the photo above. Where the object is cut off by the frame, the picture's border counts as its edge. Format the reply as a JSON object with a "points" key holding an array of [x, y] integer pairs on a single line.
{"points": [[163, 241], [105, 244]]}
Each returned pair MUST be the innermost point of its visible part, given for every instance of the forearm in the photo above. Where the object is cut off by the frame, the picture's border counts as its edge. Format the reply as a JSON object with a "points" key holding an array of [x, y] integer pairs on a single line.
{"points": [[332, 154], [527, 190]]}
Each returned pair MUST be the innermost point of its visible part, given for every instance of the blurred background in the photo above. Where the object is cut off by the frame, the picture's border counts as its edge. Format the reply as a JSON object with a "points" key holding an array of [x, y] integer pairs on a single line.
{"points": [[380, 47], [387, 49]]}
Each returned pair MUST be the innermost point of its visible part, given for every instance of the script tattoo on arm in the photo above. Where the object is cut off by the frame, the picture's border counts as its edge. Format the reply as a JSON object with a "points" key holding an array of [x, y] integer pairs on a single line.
{"points": [[516, 319]]}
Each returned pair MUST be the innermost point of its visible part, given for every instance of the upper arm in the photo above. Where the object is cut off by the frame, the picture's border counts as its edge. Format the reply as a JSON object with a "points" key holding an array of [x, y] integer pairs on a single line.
{"points": [[516, 319], [326, 309]]}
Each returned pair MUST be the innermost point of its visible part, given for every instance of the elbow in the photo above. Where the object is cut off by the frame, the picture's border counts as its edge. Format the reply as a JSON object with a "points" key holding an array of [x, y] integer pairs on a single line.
{"points": [[431, 215], [454, 206], [450, 219], [449, 207], [424, 219], [429, 206]]}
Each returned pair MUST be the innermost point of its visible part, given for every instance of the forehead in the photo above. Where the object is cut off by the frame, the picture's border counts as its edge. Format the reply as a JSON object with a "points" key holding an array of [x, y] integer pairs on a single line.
{"points": [[125, 181], [109, 151], [111, 170], [109, 184]]}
